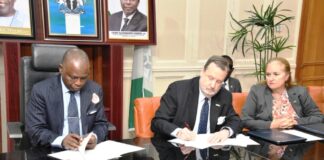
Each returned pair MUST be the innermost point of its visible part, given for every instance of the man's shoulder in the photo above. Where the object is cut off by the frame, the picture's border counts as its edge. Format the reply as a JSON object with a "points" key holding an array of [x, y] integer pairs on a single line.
{"points": [[140, 14], [91, 85], [116, 14], [47, 82], [232, 79], [186, 81]]}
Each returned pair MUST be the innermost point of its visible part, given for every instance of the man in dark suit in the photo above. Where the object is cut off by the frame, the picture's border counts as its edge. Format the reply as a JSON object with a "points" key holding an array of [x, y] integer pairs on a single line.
{"points": [[48, 111], [230, 83], [181, 112], [130, 19]]}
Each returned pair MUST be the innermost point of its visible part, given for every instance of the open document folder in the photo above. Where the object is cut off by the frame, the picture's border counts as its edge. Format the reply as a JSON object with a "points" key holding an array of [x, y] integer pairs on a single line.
{"points": [[103, 151], [201, 141]]}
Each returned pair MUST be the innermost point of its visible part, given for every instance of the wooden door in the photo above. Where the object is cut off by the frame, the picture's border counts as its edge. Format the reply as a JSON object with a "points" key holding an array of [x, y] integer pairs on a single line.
{"points": [[310, 57]]}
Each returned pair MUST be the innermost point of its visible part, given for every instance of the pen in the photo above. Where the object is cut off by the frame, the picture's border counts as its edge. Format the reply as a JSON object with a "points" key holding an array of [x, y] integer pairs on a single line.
{"points": [[186, 125]]}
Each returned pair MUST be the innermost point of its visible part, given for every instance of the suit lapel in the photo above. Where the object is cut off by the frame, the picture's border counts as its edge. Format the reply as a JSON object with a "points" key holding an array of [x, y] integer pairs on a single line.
{"points": [[215, 111], [193, 103], [268, 101], [294, 101], [85, 100], [59, 105]]}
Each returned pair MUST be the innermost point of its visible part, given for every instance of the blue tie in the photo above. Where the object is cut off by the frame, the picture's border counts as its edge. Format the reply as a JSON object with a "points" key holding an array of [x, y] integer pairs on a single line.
{"points": [[202, 128], [73, 115]]}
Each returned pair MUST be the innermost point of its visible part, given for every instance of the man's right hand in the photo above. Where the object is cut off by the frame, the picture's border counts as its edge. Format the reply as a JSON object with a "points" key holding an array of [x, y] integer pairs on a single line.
{"points": [[71, 141], [186, 134]]}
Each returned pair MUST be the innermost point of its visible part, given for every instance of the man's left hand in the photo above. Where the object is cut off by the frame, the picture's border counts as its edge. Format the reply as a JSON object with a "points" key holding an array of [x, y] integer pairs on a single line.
{"points": [[219, 137], [92, 142]]}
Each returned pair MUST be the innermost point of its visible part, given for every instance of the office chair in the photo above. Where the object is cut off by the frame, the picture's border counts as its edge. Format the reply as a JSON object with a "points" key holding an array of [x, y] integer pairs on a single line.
{"points": [[144, 112], [43, 64]]}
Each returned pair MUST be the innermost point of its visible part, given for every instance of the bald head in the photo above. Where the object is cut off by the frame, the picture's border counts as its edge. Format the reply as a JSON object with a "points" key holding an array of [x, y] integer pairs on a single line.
{"points": [[75, 69]]}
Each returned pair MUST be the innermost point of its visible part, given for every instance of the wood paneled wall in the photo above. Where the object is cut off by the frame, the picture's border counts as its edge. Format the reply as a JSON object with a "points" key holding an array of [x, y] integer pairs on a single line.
{"points": [[310, 59]]}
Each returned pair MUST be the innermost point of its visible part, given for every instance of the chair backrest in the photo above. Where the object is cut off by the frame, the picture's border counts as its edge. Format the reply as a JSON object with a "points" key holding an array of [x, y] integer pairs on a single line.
{"points": [[317, 94], [238, 101], [144, 112], [42, 64]]}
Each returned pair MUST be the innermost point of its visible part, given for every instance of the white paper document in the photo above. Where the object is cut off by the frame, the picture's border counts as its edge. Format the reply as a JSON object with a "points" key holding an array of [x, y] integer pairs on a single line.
{"points": [[103, 151], [201, 141], [308, 137]]}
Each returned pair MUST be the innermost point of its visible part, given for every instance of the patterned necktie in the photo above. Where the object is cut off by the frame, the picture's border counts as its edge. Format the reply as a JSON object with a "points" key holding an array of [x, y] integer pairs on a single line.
{"points": [[73, 115], [125, 24], [202, 128]]}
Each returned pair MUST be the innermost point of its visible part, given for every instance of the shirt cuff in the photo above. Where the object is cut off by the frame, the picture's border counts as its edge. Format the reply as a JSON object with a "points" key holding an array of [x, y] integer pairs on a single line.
{"points": [[58, 142], [174, 133], [229, 129]]}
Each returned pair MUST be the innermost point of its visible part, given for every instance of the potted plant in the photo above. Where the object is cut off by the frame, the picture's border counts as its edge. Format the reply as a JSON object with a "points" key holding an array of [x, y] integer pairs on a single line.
{"points": [[257, 35]]}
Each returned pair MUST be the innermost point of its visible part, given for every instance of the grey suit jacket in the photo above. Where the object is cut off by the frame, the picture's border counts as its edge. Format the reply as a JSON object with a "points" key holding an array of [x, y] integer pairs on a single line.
{"points": [[178, 107], [45, 112], [234, 85], [137, 23], [257, 110]]}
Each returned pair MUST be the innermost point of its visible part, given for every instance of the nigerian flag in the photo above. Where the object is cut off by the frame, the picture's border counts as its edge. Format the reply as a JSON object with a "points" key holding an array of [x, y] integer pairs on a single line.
{"points": [[141, 78]]}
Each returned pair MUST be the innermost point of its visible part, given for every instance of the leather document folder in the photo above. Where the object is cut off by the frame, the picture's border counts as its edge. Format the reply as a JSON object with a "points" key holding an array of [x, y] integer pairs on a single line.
{"points": [[315, 129], [276, 137]]}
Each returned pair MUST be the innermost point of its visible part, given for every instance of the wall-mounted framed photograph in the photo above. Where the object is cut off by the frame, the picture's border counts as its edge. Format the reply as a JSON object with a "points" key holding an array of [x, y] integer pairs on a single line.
{"points": [[77, 20], [131, 21], [16, 19]]}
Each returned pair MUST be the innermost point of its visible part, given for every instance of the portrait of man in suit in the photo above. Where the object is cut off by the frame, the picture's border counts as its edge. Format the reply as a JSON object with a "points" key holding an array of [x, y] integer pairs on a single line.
{"points": [[129, 19], [10, 16], [64, 108]]}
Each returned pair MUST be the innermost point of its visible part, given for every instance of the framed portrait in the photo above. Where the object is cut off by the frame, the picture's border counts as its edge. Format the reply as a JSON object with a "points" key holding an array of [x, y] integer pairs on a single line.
{"points": [[131, 21], [77, 20], [16, 19]]}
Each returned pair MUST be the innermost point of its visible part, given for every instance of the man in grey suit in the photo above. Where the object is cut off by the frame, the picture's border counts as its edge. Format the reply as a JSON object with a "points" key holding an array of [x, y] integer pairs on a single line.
{"points": [[230, 83], [130, 19], [47, 113]]}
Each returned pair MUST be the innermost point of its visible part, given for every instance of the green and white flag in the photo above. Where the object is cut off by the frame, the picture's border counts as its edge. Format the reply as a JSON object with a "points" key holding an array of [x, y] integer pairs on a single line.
{"points": [[141, 78]]}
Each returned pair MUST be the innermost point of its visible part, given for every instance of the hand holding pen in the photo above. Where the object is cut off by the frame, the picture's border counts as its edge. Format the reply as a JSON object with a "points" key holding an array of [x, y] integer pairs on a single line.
{"points": [[186, 133], [71, 141]]}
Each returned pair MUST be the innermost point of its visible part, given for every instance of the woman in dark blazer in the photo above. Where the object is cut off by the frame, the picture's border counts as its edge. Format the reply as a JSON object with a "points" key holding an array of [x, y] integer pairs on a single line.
{"points": [[278, 103]]}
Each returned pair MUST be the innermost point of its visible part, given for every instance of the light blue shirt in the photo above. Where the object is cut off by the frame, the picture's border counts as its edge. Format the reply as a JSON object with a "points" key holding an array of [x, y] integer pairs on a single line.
{"points": [[66, 100]]}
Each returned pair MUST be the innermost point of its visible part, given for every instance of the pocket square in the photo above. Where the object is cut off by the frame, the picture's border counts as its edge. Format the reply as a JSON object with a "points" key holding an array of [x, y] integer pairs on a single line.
{"points": [[95, 98], [218, 105], [221, 120], [92, 112]]}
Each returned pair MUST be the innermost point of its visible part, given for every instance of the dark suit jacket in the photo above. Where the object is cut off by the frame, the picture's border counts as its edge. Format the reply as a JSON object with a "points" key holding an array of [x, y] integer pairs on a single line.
{"points": [[137, 23], [234, 85], [45, 112], [179, 104], [257, 110]]}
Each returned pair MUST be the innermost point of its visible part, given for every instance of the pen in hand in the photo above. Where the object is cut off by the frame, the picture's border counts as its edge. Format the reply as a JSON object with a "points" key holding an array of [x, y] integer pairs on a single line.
{"points": [[186, 134]]}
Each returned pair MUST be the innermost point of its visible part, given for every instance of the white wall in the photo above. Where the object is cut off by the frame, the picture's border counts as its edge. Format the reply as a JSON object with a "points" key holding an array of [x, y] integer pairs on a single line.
{"points": [[189, 31]]}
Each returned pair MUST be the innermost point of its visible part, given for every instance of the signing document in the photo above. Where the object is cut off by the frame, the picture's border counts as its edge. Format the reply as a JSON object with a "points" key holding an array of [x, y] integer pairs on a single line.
{"points": [[201, 141], [103, 151]]}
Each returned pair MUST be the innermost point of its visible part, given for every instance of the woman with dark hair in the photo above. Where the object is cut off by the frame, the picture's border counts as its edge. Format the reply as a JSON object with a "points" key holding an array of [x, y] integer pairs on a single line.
{"points": [[278, 102]]}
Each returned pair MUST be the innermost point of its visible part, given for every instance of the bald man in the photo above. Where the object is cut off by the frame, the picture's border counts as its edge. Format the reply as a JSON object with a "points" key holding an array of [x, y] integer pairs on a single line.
{"points": [[47, 112]]}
